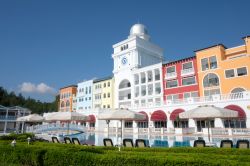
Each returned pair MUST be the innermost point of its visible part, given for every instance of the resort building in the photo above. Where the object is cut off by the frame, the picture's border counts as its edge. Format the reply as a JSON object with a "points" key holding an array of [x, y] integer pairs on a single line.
{"points": [[180, 79], [130, 55], [66, 98], [224, 70], [8, 116], [84, 95], [103, 93], [141, 82]]}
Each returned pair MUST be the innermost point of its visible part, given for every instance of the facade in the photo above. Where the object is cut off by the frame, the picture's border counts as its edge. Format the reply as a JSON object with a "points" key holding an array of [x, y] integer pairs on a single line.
{"points": [[130, 55], [224, 70], [8, 116], [180, 79], [66, 98], [216, 76], [84, 95], [103, 93]]}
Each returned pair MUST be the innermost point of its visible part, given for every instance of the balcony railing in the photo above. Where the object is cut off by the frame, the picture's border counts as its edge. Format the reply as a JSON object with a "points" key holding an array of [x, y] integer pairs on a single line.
{"points": [[196, 100], [8, 117], [187, 71]]}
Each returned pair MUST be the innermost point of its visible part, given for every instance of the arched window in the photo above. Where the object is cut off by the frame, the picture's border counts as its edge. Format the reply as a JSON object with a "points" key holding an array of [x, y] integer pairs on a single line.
{"points": [[62, 104], [67, 103], [211, 80], [238, 90], [124, 84]]}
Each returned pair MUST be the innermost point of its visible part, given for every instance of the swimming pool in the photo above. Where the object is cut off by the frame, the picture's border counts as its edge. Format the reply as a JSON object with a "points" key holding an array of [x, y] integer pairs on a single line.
{"points": [[152, 140]]}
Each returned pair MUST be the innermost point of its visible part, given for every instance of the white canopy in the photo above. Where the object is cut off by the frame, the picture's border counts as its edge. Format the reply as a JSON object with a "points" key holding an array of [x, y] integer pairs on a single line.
{"points": [[121, 114], [30, 118], [66, 116], [208, 111]]}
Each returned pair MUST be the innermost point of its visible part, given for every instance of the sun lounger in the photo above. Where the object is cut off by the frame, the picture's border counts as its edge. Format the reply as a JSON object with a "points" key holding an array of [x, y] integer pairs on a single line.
{"points": [[199, 143], [242, 144], [226, 144], [140, 143], [128, 143], [55, 140], [108, 142], [67, 140]]}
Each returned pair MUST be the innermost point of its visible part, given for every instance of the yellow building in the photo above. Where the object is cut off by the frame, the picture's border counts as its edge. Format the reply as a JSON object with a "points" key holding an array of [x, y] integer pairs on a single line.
{"points": [[224, 70], [103, 93], [66, 98]]}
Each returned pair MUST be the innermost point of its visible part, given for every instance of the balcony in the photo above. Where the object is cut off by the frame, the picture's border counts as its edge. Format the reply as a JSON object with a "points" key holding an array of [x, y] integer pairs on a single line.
{"points": [[186, 72], [171, 75], [199, 100]]}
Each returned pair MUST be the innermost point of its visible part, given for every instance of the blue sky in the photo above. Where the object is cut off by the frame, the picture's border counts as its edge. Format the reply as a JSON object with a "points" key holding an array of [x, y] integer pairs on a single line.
{"points": [[45, 45]]}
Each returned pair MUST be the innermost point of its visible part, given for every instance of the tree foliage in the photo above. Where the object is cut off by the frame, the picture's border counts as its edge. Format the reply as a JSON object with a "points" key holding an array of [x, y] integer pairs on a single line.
{"points": [[9, 99]]}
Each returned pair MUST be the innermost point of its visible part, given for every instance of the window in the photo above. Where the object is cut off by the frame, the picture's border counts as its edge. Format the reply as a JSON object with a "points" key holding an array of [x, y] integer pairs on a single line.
{"points": [[213, 62], [104, 85], [204, 64], [171, 69], [108, 84], [211, 80], [160, 124], [188, 81], [242, 71], [104, 106], [190, 94], [67, 103], [211, 92], [86, 90], [108, 95], [128, 124], [108, 106], [172, 83], [104, 95], [186, 66], [90, 90], [229, 73], [142, 124], [238, 90], [89, 98], [173, 97], [62, 104], [207, 63]]}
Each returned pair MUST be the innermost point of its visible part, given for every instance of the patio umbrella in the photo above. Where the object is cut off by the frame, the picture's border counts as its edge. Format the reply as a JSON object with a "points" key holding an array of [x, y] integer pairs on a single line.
{"points": [[121, 114], [208, 112], [30, 118], [66, 116]]}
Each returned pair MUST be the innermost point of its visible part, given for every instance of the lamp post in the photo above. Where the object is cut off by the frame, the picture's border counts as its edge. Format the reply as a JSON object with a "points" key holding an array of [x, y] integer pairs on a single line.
{"points": [[28, 139], [107, 121], [13, 143]]}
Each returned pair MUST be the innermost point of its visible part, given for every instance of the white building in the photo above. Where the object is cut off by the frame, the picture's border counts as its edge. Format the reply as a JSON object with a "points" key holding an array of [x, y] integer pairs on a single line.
{"points": [[130, 55], [84, 95]]}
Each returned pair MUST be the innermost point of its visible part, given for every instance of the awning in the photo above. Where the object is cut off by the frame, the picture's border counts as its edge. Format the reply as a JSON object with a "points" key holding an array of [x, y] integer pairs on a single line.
{"points": [[241, 112], [91, 119], [208, 111], [158, 116], [146, 116], [175, 114]]}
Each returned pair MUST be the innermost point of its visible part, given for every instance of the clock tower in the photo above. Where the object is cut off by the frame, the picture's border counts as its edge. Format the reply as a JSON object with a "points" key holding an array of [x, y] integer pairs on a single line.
{"points": [[137, 51]]}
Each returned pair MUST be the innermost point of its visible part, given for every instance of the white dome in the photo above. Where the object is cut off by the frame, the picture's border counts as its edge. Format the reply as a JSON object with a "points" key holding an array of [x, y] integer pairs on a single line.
{"points": [[138, 29]]}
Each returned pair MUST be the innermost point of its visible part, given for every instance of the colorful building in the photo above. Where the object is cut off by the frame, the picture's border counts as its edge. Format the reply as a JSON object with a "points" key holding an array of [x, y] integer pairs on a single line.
{"points": [[141, 82], [84, 95], [103, 93], [224, 70], [66, 98], [180, 79]]}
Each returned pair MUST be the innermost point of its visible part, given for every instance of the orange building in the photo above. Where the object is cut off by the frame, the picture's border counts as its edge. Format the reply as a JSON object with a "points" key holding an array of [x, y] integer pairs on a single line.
{"points": [[224, 70], [66, 98]]}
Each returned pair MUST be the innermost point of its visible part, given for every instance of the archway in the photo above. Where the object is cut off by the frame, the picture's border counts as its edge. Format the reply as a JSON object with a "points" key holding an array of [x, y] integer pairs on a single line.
{"points": [[160, 119]]}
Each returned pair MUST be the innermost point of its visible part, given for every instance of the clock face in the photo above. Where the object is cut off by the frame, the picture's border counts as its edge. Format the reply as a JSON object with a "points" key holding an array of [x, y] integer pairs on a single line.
{"points": [[124, 61]]}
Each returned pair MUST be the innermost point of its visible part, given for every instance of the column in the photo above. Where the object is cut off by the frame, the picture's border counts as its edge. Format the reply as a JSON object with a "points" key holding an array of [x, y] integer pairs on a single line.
{"points": [[6, 123]]}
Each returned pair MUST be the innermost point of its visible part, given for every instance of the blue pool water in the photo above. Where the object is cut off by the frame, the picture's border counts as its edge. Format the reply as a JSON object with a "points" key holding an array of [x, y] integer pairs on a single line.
{"points": [[153, 141]]}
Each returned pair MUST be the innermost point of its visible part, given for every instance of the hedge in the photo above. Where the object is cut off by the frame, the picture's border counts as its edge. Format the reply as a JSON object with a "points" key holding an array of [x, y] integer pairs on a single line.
{"points": [[43, 154]]}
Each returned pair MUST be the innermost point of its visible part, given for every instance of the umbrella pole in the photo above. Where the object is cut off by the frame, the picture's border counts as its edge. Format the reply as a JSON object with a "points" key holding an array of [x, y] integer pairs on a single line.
{"points": [[68, 129], [208, 131], [121, 130]]}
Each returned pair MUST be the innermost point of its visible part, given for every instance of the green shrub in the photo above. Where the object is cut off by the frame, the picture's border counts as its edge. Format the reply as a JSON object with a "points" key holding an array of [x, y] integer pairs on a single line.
{"points": [[43, 154]]}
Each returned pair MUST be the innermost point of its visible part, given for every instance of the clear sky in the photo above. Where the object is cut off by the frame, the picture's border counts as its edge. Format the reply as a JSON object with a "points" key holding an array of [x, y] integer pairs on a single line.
{"points": [[48, 44]]}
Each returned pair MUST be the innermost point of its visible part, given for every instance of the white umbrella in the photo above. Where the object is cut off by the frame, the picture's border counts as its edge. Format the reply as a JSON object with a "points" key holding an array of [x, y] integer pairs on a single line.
{"points": [[66, 116], [121, 114], [30, 118], [208, 111]]}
